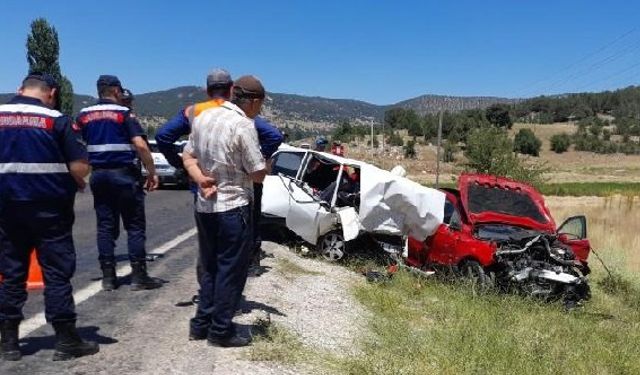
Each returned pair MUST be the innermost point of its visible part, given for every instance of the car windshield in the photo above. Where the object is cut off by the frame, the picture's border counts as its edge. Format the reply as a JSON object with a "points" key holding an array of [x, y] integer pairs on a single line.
{"points": [[505, 201]]}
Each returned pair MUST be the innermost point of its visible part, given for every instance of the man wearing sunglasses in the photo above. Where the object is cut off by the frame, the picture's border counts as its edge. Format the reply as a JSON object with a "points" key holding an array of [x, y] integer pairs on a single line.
{"points": [[43, 162]]}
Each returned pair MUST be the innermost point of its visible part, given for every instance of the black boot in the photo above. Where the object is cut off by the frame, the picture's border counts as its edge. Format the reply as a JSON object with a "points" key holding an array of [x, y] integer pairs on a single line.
{"points": [[109, 278], [69, 345], [140, 280], [9, 340]]}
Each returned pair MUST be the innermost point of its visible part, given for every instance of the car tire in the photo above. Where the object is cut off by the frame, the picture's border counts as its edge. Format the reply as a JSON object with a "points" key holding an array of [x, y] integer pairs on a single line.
{"points": [[472, 271], [332, 246]]}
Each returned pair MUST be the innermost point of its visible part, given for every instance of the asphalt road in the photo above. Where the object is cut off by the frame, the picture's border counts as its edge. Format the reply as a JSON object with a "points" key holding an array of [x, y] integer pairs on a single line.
{"points": [[169, 214]]}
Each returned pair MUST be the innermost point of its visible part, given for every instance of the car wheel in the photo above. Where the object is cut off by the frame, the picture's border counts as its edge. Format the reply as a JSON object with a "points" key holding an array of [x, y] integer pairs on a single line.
{"points": [[473, 271], [332, 246]]}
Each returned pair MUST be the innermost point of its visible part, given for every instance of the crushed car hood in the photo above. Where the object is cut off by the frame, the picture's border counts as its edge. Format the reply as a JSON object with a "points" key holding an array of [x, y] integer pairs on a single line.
{"points": [[491, 199], [396, 205]]}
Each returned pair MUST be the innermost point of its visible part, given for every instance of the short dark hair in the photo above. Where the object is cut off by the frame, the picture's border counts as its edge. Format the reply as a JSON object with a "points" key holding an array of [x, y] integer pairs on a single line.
{"points": [[104, 91], [219, 91], [35, 83]]}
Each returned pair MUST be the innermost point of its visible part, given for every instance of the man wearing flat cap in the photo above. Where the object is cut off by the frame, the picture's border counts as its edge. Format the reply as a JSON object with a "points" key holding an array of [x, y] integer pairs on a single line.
{"points": [[115, 141], [43, 162], [223, 157]]}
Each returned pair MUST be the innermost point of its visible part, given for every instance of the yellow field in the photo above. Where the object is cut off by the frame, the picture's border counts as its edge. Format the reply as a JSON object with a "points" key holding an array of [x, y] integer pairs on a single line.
{"points": [[571, 166], [613, 227]]}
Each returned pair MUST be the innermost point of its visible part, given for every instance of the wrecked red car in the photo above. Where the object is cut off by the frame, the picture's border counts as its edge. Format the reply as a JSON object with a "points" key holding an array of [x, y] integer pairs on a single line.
{"points": [[499, 232]]}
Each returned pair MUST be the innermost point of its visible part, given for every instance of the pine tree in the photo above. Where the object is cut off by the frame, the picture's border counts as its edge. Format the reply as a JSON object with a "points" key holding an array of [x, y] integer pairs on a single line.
{"points": [[43, 52]]}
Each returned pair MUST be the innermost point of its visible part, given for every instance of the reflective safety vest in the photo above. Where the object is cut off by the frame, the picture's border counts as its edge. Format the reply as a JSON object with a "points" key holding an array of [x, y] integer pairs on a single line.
{"points": [[105, 128], [32, 163], [203, 106]]}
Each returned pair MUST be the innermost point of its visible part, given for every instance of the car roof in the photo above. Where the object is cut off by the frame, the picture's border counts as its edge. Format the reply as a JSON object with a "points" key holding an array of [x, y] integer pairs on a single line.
{"points": [[325, 155]]}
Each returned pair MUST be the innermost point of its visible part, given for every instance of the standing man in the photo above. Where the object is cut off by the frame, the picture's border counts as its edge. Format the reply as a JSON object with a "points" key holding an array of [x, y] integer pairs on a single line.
{"points": [[42, 164], [219, 91], [270, 138], [223, 158], [114, 141]]}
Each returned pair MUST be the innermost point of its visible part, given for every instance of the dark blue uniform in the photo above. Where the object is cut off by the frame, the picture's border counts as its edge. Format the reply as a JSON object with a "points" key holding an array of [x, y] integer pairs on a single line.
{"points": [[115, 181], [270, 139], [36, 205]]}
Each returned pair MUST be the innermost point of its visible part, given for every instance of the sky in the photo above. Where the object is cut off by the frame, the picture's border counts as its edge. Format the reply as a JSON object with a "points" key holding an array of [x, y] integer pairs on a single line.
{"points": [[377, 51]]}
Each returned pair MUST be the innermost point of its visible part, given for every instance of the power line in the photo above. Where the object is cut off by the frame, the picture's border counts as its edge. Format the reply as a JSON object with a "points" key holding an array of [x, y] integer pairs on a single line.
{"points": [[530, 87]]}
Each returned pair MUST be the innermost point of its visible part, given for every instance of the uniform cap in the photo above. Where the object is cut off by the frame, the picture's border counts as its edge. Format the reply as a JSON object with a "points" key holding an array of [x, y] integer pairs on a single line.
{"points": [[219, 78], [248, 87], [108, 81]]}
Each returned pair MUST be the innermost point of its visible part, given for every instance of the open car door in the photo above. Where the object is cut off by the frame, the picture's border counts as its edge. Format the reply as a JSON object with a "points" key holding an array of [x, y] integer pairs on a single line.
{"points": [[573, 233], [307, 216]]}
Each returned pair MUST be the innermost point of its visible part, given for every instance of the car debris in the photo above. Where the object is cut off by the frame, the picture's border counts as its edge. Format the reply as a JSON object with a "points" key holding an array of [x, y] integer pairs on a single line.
{"points": [[329, 201], [499, 232]]}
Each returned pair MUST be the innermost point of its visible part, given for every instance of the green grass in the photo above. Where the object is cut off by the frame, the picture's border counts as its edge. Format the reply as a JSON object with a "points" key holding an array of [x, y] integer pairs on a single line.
{"points": [[580, 189], [275, 343], [600, 189], [422, 326]]}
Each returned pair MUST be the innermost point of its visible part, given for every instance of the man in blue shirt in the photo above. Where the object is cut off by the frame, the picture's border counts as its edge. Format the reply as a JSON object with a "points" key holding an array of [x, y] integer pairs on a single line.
{"points": [[115, 140], [270, 138], [43, 162], [218, 88]]}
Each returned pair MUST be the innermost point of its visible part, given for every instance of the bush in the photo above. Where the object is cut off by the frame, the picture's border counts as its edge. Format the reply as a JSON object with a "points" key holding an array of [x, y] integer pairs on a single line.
{"points": [[449, 151], [395, 140], [498, 115], [560, 143], [527, 143], [410, 150], [490, 151]]}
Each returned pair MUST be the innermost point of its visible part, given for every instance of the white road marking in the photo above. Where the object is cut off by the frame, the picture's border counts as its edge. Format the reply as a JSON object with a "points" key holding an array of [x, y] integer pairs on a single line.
{"points": [[38, 320]]}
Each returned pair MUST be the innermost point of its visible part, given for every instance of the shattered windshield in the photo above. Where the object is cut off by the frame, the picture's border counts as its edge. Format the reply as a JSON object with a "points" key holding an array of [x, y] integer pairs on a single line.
{"points": [[504, 201]]}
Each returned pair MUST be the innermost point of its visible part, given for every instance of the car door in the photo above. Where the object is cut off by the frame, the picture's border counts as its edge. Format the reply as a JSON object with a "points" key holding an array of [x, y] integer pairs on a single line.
{"points": [[573, 233], [307, 216], [441, 246], [286, 165]]}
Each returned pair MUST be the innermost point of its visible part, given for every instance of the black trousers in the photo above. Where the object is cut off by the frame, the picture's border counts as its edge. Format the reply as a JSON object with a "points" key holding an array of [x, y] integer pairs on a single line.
{"points": [[117, 193], [257, 214], [45, 226], [225, 245]]}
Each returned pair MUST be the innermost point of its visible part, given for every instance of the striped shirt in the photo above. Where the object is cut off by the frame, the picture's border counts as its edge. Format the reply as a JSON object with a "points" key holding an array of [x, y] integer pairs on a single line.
{"points": [[225, 142]]}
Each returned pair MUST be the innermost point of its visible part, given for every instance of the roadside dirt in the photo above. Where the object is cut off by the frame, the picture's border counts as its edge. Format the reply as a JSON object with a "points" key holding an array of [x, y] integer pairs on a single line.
{"points": [[147, 333]]}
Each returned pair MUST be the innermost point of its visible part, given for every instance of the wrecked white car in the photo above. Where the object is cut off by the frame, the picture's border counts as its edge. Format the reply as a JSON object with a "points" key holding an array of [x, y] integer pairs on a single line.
{"points": [[328, 201]]}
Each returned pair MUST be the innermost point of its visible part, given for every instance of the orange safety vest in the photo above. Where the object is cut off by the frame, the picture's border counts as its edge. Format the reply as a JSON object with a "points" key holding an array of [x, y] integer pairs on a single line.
{"points": [[198, 108]]}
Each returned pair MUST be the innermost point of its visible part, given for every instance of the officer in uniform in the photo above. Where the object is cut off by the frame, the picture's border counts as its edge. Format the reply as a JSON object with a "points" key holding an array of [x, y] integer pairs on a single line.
{"points": [[43, 162], [114, 140]]}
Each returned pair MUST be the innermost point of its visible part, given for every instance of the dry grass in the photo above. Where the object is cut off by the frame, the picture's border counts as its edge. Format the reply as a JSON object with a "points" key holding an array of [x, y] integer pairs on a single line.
{"points": [[613, 227], [571, 166]]}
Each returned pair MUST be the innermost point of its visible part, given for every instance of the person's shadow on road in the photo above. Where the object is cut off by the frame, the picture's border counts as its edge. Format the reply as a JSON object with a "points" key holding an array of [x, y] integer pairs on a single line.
{"points": [[31, 345]]}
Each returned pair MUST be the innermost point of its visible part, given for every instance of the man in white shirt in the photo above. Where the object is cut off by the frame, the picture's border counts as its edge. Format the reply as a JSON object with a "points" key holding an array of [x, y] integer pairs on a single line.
{"points": [[223, 158]]}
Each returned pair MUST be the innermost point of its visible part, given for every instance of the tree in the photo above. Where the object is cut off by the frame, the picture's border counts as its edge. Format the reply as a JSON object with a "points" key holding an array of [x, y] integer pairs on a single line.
{"points": [[43, 52], [395, 139], [490, 151], [527, 143], [560, 143], [498, 115], [410, 150]]}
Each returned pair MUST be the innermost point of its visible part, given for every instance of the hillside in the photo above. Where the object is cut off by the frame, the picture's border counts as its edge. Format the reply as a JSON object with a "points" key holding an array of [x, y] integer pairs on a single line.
{"points": [[433, 103], [296, 109]]}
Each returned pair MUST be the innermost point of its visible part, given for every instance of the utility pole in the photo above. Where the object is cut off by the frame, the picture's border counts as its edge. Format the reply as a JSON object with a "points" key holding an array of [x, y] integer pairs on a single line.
{"points": [[382, 140], [372, 137], [438, 150]]}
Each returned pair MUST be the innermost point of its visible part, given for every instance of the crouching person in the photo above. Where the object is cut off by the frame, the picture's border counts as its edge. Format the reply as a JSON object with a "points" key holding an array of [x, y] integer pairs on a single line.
{"points": [[223, 158]]}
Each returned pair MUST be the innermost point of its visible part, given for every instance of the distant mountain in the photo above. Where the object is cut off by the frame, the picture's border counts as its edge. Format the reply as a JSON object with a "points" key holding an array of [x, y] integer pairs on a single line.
{"points": [[295, 108], [433, 103]]}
